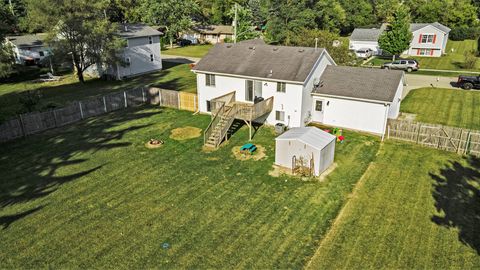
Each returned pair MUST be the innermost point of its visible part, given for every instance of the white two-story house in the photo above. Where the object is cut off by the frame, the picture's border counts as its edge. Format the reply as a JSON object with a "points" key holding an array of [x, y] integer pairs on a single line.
{"points": [[293, 86], [429, 39], [142, 53], [29, 49]]}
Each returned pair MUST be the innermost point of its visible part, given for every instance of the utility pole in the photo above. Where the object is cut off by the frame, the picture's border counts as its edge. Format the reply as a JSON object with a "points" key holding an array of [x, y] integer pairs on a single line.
{"points": [[235, 25]]}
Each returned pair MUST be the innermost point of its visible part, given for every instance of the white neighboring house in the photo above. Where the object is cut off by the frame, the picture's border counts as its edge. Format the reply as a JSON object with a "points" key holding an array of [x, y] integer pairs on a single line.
{"points": [[358, 98], [29, 49], [305, 85], [429, 39], [209, 34], [140, 56]]}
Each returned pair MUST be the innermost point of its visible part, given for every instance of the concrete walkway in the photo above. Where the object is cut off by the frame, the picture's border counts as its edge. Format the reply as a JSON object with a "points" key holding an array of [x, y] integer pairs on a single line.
{"points": [[414, 81], [180, 59]]}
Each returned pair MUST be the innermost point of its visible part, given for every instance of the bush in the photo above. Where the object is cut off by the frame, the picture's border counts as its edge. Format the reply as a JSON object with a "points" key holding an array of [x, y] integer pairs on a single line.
{"points": [[470, 59], [464, 32]]}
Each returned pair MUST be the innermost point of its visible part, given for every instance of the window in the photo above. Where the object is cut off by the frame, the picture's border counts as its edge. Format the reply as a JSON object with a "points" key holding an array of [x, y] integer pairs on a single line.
{"points": [[41, 53], [403, 62], [281, 87], [151, 58], [424, 51], [249, 90], [210, 80], [209, 106], [427, 38], [319, 105], [127, 61], [150, 41], [280, 115]]}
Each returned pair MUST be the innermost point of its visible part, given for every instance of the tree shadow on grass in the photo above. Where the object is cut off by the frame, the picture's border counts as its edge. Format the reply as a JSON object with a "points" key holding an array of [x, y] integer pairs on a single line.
{"points": [[456, 191], [5, 221], [34, 168]]}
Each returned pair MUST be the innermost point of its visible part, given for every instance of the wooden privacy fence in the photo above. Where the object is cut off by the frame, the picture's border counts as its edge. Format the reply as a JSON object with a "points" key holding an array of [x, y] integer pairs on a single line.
{"points": [[31, 123], [453, 139]]}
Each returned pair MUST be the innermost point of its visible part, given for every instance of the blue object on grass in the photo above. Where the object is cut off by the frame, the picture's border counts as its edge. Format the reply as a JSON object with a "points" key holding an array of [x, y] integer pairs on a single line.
{"points": [[246, 146], [165, 245]]}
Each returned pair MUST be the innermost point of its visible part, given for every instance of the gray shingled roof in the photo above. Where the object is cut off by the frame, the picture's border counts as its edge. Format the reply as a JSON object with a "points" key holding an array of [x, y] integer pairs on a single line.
{"points": [[362, 34], [312, 136], [360, 83], [127, 30], [416, 26], [214, 29], [261, 61], [27, 40]]}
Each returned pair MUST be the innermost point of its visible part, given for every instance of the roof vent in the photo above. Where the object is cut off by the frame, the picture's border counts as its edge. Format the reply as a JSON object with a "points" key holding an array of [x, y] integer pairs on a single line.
{"points": [[270, 74], [229, 46], [252, 47], [301, 50], [275, 49]]}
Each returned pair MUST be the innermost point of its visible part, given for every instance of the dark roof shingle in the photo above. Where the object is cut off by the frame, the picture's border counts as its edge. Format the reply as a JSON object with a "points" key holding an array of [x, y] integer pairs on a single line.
{"points": [[416, 26], [262, 61], [28, 40], [128, 30], [359, 83]]}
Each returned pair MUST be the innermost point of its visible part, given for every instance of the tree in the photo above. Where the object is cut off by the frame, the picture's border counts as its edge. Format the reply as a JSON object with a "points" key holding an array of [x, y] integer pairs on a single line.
{"points": [[325, 39], [396, 39], [78, 29], [7, 25], [175, 15], [330, 15], [384, 9], [245, 28], [360, 13]]}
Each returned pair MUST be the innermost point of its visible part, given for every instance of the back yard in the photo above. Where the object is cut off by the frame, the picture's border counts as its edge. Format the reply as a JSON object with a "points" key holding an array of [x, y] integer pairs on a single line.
{"points": [[450, 107], [91, 195], [173, 76], [410, 211], [451, 61], [197, 51]]}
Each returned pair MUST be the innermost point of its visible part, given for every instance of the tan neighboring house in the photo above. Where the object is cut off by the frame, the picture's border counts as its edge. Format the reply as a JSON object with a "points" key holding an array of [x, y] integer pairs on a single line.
{"points": [[209, 34], [29, 49]]}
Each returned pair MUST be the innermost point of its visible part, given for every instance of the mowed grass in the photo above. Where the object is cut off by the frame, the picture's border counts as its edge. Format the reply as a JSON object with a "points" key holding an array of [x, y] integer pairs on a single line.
{"points": [[173, 76], [416, 208], [453, 60], [92, 196], [197, 51], [449, 107]]}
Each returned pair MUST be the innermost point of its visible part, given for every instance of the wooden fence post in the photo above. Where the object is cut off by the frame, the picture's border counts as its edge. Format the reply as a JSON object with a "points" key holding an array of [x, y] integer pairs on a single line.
{"points": [[81, 110], [105, 104], [22, 125], [125, 97]]}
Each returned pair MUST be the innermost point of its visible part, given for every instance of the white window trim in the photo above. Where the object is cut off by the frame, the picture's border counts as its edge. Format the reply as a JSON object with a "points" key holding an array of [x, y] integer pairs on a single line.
{"points": [[427, 35], [284, 87], [282, 113], [214, 80]]}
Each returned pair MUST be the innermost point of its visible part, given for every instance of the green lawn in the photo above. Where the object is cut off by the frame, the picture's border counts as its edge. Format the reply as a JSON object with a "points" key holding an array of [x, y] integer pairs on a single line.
{"points": [[92, 196], [198, 51], [451, 61], [450, 107], [173, 76], [415, 208]]}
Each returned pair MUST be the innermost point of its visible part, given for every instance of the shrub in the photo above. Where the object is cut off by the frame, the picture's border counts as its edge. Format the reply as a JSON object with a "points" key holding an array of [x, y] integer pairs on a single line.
{"points": [[465, 32], [470, 59]]}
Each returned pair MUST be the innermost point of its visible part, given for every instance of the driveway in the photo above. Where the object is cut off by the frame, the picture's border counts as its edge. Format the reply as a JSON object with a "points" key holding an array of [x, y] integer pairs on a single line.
{"points": [[180, 59], [414, 81]]}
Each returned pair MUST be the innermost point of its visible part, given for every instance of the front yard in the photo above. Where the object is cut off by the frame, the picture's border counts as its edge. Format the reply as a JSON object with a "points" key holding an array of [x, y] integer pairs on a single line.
{"points": [[451, 61], [93, 196], [415, 208], [449, 107], [173, 76]]}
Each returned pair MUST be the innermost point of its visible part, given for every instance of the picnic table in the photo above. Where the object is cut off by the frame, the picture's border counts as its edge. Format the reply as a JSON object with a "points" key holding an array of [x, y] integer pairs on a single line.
{"points": [[248, 147]]}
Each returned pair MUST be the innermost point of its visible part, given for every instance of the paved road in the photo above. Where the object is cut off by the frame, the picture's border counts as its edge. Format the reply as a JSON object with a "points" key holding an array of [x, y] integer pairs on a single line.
{"points": [[418, 81], [180, 59]]}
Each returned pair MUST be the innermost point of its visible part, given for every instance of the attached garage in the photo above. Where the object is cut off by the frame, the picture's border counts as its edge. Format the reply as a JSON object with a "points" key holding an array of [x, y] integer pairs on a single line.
{"points": [[311, 144]]}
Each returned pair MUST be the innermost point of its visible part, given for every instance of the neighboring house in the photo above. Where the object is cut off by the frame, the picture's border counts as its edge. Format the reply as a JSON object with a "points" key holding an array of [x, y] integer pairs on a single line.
{"points": [[292, 86], [141, 54], [29, 49], [209, 34], [429, 39], [357, 98]]}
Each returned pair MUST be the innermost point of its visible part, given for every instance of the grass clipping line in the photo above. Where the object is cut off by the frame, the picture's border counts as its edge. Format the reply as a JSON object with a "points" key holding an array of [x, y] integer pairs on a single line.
{"points": [[185, 133], [243, 155]]}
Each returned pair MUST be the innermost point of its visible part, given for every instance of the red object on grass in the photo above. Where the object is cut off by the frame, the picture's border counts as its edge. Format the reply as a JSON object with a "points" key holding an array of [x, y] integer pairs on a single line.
{"points": [[341, 138]]}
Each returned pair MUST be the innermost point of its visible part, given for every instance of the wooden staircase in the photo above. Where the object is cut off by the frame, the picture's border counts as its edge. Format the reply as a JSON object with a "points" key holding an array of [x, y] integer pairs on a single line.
{"points": [[220, 130]]}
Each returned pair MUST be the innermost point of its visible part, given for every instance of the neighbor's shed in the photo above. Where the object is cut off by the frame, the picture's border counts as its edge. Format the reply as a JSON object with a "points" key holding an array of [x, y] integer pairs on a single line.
{"points": [[310, 143]]}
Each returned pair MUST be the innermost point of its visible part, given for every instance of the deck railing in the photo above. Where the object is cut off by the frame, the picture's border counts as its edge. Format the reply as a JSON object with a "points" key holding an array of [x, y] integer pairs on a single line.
{"points": [[251, 112], [217, 102], [216, 118]]}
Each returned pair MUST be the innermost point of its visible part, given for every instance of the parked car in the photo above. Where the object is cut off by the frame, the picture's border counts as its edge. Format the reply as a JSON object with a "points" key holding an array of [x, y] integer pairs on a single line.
{"points": [[408, 65], [468, 82], [184, 42], [364, 53]]}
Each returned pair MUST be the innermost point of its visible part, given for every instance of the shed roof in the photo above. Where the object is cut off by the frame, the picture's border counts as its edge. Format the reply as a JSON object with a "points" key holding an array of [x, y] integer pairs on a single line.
{"points": [[33, 40], [359, 83], [258, 60], [312, 136], [128, 30]]}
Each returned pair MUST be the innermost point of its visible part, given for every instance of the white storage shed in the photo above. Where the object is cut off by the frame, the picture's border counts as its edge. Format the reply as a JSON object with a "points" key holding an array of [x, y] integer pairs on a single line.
{"points": [[309, 143]]}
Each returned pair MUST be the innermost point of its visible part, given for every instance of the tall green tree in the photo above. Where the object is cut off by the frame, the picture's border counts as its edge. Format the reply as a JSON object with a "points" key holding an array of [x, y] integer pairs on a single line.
{"points": [[359, 13], [77, 29], [396, 39], [330, 15], [384, 9], [245, 24], [7, 25], [175, 15]]}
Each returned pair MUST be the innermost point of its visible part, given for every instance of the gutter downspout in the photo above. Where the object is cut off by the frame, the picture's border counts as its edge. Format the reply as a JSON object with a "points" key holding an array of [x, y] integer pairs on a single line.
{"points": [[387, 107]]}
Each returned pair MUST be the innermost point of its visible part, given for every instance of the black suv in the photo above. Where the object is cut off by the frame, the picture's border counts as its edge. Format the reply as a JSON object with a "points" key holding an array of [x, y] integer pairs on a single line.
{"points": [[468, 82]]}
